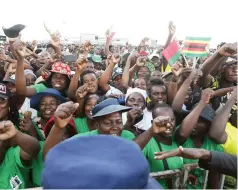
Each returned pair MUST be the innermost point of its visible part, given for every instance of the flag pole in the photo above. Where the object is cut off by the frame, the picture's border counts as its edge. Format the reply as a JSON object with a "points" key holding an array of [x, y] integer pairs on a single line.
{"points": [[185, 60], [194, 62]]}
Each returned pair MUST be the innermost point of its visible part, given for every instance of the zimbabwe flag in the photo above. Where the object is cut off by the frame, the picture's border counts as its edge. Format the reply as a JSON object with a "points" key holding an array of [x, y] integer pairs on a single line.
{"points": [[196, 46]]}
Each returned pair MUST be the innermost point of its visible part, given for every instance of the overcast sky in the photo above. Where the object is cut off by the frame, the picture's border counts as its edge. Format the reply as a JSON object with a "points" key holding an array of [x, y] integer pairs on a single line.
{"points": [[131, 19]]}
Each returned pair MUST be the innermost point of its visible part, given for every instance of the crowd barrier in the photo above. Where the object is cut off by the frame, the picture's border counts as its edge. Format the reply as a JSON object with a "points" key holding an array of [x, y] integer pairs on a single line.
{"points": [[179, 176]]}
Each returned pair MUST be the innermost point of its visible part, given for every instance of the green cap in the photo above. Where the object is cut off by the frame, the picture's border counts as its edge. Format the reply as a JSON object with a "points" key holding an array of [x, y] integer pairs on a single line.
{"points": [[97, 58]]}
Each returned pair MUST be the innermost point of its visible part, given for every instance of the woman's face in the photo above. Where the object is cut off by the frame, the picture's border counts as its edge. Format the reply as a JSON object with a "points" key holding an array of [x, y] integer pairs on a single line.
{"points": [[166, 112], [158, 94], [91, 80], [59, 81], [140, 83], [48, 105], [30, 80], [230, 73], [4, 108], [110, 124], [91, 102], [118, 81], [201, 128], [136, 100], [144, 73]]}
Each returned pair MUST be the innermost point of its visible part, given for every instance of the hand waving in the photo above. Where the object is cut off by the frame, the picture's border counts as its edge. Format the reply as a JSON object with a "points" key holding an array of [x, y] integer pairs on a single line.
{"points": [[64, 114], [172, 28], [7, 130], [81, 62], [140, 62], [114, 59], [87, 46], [177, 68], [55, 39], [20, 48]]}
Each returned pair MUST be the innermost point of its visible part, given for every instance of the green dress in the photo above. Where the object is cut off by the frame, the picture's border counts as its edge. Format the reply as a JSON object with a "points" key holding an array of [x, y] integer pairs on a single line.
{"points": [[125, 134], [157, 165], [208, 144], [38, 165], [81, 124], [13, 173]]}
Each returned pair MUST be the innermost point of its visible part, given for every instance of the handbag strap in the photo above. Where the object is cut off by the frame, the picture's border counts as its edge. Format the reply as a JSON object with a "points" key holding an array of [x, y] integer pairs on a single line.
{"points": [[166, 166]]}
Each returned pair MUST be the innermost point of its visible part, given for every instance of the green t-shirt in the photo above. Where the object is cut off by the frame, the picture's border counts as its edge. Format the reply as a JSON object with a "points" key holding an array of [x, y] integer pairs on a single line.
{"points": [[208, 144], [157, 165], [81, 124], [38, 167], [13, 172], [124, 134], [39, 87]]}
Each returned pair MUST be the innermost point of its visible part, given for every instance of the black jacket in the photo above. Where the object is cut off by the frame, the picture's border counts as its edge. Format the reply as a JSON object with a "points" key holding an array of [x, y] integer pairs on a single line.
{"points": [[221, 162]]}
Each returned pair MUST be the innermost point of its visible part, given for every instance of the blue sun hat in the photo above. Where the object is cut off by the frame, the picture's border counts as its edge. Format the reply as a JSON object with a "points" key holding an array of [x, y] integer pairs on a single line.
{"points": [[35, 100], [108, 106], [97, 162]]}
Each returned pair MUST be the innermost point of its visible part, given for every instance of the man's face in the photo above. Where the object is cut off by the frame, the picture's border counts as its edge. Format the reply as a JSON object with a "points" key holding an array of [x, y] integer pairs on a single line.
{"points": [[230, 73], [158, 94]]}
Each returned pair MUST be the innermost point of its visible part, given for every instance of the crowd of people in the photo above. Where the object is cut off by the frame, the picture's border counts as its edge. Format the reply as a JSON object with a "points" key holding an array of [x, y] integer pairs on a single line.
{"points": [[57, 95]]}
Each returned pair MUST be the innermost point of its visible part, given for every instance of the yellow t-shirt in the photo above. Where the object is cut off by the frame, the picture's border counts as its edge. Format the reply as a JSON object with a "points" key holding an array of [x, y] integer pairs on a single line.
{"points": [[230, 145]]}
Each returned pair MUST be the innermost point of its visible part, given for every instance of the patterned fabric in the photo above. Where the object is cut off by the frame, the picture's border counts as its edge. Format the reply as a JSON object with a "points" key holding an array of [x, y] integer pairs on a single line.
{"points": [[150, 66], [61, 68]]}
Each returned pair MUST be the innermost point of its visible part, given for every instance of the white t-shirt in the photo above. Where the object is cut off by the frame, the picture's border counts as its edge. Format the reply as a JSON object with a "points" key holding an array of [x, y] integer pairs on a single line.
{"points": [[113, 90], [144, 124], [26, 107]]}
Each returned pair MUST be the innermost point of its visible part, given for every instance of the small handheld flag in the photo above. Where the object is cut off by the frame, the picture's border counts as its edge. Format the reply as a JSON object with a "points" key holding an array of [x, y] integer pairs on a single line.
{"points": [[196, 46]]}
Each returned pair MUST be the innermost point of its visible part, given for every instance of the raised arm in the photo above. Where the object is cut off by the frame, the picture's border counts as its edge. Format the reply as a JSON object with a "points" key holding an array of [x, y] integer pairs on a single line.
{"points": [[62, 115], [126, 74], [183, 91], [106, 47], [173, 84], [217, 129], [190, 122], [29, 146], [172, 30], [215, 60], [105, 77], [73, 86], [160, 125], [21, 88]]}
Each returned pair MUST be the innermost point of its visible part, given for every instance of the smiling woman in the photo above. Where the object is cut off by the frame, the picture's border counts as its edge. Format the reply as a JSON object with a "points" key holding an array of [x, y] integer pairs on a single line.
{"points": [[46, 103]]}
